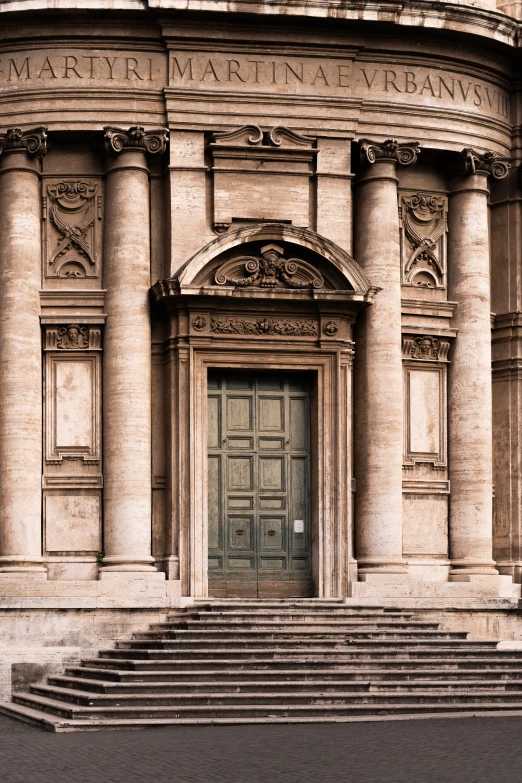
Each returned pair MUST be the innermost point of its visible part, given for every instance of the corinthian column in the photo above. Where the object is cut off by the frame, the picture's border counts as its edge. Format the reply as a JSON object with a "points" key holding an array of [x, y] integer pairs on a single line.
{"points": [[127, 351], [469, 378], [20, 353], [378, 416]]}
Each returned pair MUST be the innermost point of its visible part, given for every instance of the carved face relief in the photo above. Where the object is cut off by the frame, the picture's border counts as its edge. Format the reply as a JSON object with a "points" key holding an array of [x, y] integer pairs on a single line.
{"points": [[73, 337]]}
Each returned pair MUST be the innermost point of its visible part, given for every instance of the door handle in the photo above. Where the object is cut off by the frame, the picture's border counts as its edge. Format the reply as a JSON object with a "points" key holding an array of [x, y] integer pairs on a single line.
{"points": [[239, 532], [271, 532]]}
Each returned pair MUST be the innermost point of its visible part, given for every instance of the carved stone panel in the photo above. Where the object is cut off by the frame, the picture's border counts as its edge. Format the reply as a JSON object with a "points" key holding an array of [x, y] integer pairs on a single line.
{"points": [[72, 407], [72, 522], [425, 400], [261, 175], [72, 212], [423, 239]]}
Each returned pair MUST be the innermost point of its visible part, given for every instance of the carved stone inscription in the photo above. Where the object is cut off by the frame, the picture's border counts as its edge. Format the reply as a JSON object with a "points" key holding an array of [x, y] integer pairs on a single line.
{"points": [[81, 66], [431, 86]]}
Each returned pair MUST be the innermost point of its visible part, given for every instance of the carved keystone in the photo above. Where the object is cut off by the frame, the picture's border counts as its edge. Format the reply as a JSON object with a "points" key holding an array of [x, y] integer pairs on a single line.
{"points": [[33, 141], [391, 151], [136, 138], [490, 163]]}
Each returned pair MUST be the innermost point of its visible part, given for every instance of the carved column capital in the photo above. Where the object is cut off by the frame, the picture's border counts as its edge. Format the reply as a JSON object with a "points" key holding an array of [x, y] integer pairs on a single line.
{"points": [[136, 139], [33, 141], [390, 151], [489, 163]]}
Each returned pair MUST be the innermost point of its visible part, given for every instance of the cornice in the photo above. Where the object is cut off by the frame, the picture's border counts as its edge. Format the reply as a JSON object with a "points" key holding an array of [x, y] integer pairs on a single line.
{"points": [[457, 17]]}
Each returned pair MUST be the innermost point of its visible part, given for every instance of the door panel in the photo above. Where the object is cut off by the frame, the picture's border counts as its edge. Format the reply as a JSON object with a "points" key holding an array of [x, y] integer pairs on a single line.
{"points": [[259, 485]]}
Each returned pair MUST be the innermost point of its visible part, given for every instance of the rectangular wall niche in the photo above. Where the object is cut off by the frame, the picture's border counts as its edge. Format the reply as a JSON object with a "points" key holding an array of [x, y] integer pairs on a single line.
{"points": [[425, 401]]}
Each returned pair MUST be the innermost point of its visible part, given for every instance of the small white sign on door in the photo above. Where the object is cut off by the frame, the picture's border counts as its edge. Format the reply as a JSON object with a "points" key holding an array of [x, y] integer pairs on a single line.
{"points": [[298, 525]]}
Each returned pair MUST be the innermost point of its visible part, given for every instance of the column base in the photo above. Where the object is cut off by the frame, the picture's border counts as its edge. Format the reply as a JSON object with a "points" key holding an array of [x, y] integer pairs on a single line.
{"points": [[21, 567], [471, 568], [128, 564], [382, 568]]}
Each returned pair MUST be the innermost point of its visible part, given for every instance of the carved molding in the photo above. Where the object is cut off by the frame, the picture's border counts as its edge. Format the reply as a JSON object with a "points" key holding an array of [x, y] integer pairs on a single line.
{"points": [[490, 163], [136, 138], [391, 150], [269, 270], [73, 208], [33, 141], [286, 327], [425, 348], [423, 219], [72, 337]]}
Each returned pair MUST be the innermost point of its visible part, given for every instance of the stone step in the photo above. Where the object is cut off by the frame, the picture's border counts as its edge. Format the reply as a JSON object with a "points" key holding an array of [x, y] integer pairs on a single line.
{"points": [[292, 614], [270, 649], [247, 685], [241, 639], [283, 660], [196, 632], [301, 626], [109, 677], [269, 708], [356, 694]]}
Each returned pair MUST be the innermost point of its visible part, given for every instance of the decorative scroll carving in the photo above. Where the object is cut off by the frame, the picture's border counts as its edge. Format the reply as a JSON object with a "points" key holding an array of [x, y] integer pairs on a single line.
{"points": [[136, 138], [390, 150], [252, 135], [268, 326], [283, 135], [73, 214], [269, 270], [425, 348], [248, 134], [423, 240], [33, 141], [491, 163]]}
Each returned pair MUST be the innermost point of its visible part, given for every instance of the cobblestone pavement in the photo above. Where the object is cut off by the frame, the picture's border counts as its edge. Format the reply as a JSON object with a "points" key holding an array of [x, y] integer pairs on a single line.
{"points": [[467, 750]]}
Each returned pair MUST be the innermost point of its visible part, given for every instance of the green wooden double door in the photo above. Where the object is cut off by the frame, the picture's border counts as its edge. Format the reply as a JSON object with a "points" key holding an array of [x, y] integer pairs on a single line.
{"points": [[259, 509]]}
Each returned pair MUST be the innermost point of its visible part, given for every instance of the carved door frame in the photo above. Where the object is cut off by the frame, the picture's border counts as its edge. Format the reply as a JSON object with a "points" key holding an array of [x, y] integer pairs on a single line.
{"points": [[331, 441]]}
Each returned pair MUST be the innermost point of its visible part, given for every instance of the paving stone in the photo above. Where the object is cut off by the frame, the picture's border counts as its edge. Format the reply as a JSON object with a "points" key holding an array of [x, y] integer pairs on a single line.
{"points": [[468, 750]]}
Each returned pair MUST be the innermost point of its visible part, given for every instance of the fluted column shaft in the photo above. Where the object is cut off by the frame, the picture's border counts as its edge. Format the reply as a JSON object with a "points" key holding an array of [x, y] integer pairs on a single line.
{"points": [[127, 366], [469, 381], [378, 377], [20, 364]]}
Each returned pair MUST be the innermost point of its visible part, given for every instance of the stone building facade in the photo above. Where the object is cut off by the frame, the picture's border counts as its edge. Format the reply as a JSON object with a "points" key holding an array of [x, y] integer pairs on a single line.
{"points": [[260, 308]]}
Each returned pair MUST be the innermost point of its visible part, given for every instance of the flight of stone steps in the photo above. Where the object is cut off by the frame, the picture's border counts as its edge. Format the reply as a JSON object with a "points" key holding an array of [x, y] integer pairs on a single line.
{"points": [[294, 661]]}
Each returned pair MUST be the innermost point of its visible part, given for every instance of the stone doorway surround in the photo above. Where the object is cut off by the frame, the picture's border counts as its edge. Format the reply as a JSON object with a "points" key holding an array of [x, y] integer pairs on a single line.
{"points": [[267, 296]]}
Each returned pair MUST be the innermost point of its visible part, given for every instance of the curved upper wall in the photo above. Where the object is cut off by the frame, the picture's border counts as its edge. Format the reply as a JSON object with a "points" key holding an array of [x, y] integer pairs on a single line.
{"points": [[440, 73]]}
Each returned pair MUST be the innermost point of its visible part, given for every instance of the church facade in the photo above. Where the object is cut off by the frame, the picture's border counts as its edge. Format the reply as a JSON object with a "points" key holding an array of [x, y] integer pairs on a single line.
{"points": [[260, 310]]}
